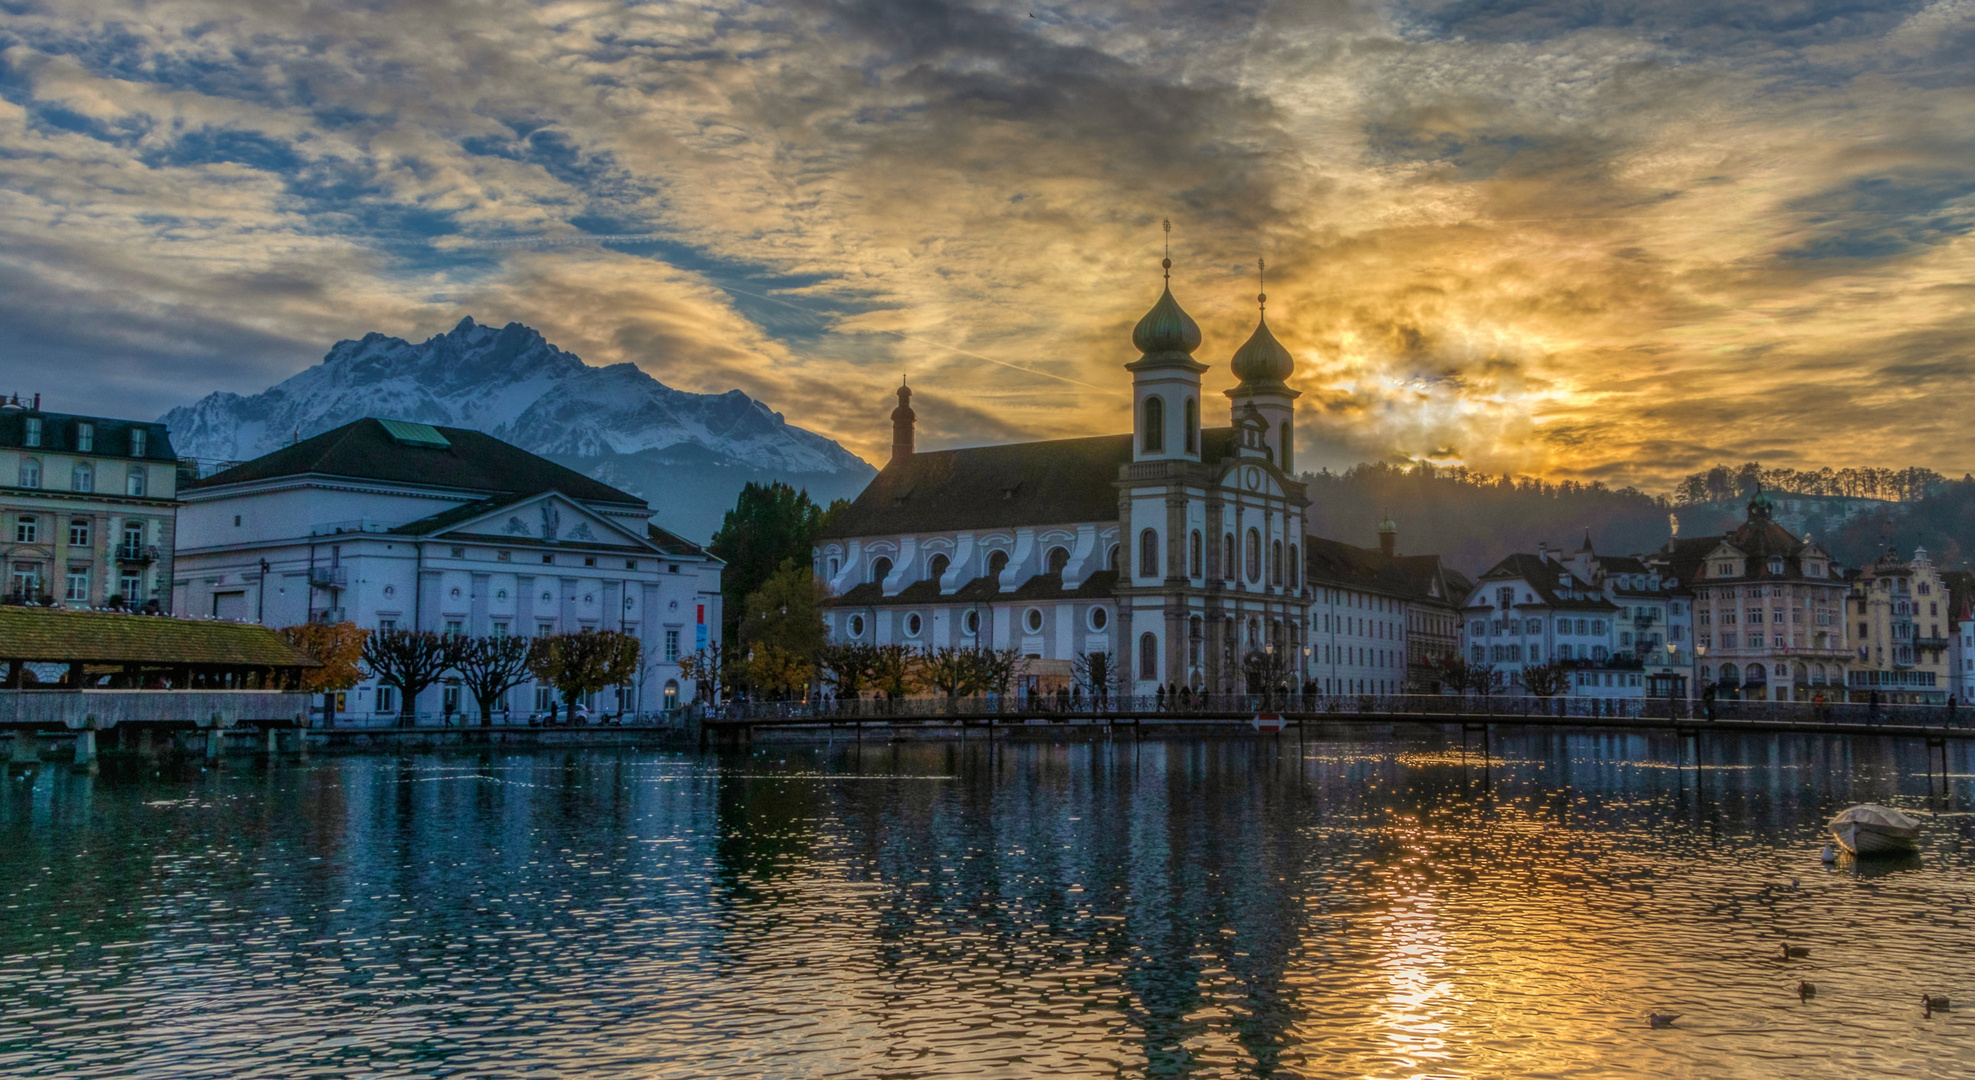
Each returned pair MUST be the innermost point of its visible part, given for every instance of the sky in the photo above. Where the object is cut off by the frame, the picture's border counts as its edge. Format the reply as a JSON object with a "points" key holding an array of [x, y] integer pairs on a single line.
{"points": [[1612, 241]]}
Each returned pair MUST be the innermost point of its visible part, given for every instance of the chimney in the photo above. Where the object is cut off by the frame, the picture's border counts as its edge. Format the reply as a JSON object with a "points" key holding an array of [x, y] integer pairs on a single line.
{"points": [[37, 403], [901, 424]]}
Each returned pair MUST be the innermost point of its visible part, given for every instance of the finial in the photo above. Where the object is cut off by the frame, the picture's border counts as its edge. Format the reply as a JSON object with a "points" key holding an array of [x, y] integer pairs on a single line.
{"points": [[1262, 281], [1166, 263]]}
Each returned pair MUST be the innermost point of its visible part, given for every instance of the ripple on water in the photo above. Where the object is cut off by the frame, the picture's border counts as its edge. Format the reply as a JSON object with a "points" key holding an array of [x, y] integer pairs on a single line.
{"points": [[1392, 906]]}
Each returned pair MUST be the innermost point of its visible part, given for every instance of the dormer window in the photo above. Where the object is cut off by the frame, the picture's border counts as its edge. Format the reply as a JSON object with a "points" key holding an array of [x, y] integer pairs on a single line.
{"points": [[31, 436], [85, 437], [139, 441], [1776, 565]]}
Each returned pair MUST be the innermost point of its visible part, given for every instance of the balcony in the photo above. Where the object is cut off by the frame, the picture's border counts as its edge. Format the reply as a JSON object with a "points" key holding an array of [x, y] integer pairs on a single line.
{"points": [[137, 553], [1644, 622], [328, 577], [1930, 643]]}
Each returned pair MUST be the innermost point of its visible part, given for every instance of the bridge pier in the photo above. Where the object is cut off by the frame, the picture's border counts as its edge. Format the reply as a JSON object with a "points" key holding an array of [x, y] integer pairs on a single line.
{"points": [[26, 755], [85, 750], [215, 745]]}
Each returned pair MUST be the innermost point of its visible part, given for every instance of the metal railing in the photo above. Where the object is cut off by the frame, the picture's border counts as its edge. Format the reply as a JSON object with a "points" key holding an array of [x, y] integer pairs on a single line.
{"points": [[1506, 707]]}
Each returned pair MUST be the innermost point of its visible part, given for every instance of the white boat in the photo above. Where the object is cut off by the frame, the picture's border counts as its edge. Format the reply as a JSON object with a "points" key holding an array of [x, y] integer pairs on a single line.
{"points": [[1875, 830]]}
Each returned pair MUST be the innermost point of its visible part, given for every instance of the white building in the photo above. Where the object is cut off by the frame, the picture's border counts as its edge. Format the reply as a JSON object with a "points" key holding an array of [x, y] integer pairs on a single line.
{"points": [[1175, 548], [1618, 625], [1380, 622], [394, 525]]}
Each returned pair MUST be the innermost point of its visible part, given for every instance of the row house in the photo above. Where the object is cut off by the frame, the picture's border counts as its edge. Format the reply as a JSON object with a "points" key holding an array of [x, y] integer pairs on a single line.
{"points": [[402, 526], [87, 509], [1902, 615], [1960, 586], [1380, 622], [1618, 626], [1769, 610]]}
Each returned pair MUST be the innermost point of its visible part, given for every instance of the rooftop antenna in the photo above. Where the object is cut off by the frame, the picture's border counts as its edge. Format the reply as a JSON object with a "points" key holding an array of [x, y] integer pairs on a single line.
{"points": [[1166, 263]]}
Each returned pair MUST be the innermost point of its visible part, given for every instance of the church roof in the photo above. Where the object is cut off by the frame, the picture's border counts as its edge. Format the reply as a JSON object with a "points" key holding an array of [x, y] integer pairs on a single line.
{"points": [[470, 460], [1057, 482]]}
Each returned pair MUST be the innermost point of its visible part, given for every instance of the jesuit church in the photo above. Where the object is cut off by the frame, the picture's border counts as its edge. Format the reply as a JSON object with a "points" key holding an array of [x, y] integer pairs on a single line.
{"points": [[1175, 548]]}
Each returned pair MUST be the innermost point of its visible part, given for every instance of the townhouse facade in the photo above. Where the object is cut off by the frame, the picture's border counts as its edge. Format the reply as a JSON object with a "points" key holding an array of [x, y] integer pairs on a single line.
{"points": [[1902, 616], [88, 509]]}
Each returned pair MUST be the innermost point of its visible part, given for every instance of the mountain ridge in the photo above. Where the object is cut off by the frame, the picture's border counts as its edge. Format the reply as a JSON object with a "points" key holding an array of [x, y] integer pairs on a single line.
{"points": [[688, 454]]}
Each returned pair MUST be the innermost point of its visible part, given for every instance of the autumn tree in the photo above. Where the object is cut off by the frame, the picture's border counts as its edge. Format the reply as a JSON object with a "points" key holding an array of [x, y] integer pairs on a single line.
{"points": [[894, 671], [774, 672], [584, 662], [953, 672], [490, 667], [338, 647], [411, 660], [704, 669]]}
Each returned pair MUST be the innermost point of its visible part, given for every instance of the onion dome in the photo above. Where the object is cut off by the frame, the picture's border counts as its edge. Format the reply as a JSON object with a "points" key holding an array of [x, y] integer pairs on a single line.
{"points": [[1166, 328], [1262, 359], [1388, 525]]}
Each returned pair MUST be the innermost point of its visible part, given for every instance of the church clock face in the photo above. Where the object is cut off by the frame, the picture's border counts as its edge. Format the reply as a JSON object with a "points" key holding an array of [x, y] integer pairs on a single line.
{"points": [[1252, 477]]}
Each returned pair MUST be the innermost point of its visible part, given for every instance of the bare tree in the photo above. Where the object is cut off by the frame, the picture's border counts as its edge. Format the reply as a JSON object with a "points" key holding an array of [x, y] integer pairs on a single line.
{"points": [[490, 667], [411, 660]]}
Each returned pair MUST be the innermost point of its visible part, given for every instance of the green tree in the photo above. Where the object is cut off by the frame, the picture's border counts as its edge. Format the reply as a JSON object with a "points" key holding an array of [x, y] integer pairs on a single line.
{"points": [[770, 524], [490, 667], [411, 660], [583, 662], [787, 613]]}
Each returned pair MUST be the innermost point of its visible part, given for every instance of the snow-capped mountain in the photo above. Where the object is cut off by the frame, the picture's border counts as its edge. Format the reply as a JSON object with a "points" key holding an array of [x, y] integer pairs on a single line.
{"points": [[689, 454]]}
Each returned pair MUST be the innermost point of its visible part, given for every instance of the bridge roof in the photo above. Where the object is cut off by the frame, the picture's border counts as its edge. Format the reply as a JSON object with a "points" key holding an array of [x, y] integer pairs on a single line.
{"points": [[56, 635]]}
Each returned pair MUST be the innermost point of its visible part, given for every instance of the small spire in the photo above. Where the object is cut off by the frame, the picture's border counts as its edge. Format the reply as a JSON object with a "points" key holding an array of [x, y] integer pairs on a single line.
{"points": [[1262, 283], [1166, 263]]}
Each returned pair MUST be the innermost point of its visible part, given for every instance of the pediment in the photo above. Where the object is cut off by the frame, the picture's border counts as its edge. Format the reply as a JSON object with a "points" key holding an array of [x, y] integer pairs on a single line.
{"points": [[1253, 476], [546, 518]]}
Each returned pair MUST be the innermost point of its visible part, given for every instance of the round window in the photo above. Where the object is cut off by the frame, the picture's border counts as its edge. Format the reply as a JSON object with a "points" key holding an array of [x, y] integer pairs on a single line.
{"points": [[502, 595], [545, 598], [857, 626], [912, 625], [1033, 620], [971, 622], [1099, 618], [455, 594], [390, 590]]}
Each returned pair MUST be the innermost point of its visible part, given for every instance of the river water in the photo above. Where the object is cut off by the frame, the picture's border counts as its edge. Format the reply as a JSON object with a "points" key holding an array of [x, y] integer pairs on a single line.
{"points": [[1389, 905]]}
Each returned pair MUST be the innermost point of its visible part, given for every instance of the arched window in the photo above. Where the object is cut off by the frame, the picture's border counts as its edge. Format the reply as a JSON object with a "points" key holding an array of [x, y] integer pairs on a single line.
{"points": [[880, 569], [1195, 631], [936, 567], [1148, 657], [1295, 577], [1192, 426], [1111, 558], [1154, 439], [671, 694], [1148, 554], [1817, 674], [1194, 555], [1286, 439], [1275, 563], [83, 478], [997, 562], [1730, 676], [1802, 674], [1059, 557], [1756, 674], [1227, 557], [1254, 554]]}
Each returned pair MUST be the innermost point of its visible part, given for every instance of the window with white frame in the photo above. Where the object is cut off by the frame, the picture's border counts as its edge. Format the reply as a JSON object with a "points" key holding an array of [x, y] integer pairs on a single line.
{"points": [[78, 584]]}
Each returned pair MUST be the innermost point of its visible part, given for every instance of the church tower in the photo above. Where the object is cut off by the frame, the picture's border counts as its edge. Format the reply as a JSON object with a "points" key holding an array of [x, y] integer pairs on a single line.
{"points": [[1166, 379], [1264, 367], [902, 419]]}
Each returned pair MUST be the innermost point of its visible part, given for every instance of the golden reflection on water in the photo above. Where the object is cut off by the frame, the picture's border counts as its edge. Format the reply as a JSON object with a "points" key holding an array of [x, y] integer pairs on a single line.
{"points": [[1394, 906]]}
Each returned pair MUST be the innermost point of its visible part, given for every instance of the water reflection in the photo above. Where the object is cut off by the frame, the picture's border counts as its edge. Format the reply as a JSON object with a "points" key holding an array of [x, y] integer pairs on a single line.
{"points": [[1402, 905]]}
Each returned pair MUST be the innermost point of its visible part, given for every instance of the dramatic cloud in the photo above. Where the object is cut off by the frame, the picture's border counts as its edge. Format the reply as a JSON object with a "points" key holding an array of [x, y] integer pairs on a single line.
{"points": [[1604, 241]]}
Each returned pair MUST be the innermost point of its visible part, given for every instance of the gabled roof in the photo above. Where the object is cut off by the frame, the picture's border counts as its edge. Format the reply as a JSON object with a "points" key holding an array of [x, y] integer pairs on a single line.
{"points": [[1759, 539], [1057, 482], [472, 461], [1334, 564], [102, 637], [672, 543], [1544, 578]]}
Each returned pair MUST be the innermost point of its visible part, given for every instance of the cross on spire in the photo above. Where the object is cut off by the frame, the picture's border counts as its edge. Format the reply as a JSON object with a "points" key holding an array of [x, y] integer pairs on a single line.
{"points": [[1166, 263], [1262, 284]]}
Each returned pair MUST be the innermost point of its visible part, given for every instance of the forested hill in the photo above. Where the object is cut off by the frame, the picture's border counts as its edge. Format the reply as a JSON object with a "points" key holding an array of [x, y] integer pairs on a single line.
{"points": [[1475, 519]]}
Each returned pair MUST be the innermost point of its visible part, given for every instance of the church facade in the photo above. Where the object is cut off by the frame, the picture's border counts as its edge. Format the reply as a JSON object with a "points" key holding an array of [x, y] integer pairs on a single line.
{"points": [[1175, 549]]}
